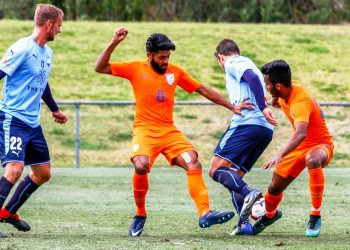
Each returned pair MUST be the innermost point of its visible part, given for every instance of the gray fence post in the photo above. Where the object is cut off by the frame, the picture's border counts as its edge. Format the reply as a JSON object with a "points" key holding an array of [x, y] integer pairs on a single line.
{"points": [[77, 135]]}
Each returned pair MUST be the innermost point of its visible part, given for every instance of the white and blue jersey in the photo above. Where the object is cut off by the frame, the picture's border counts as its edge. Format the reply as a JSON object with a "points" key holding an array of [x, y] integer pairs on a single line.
{"points": [[248, 135], [238, 89], [27, 67]]}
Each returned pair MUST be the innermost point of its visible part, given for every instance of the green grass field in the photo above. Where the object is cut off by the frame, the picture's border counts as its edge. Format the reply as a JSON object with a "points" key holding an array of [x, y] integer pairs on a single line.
{"points": [[92, 208]]}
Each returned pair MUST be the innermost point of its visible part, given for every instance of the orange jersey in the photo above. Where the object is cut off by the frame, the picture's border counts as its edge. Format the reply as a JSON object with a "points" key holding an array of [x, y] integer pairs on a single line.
{"points": [[301, 107], [154, 93]]}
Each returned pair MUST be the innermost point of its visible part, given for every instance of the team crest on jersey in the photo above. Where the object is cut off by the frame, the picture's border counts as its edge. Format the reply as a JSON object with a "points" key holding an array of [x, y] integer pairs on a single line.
{"points": [[170, 78]]}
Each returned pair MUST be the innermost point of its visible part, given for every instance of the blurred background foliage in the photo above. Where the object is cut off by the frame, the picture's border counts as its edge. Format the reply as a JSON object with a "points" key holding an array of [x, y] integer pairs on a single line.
{"points": [[252, 11]]}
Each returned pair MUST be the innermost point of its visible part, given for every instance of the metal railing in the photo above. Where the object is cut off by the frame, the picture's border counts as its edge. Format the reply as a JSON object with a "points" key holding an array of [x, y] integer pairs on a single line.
{"points": [[77, 105]]}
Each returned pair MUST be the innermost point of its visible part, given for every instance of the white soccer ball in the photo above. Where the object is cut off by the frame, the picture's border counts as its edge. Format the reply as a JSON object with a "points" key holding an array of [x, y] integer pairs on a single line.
{"points": [[258, 209]]}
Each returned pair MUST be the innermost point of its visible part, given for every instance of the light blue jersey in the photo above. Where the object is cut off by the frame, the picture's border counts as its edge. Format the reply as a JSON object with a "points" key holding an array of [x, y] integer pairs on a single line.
{"points": [[28, 67], [238, 90]]}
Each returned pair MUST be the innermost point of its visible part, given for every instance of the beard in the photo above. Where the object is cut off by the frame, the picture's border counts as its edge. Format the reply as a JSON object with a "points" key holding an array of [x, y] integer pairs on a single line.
{"points": [[273, 92], [50, 37], [157, 68]]}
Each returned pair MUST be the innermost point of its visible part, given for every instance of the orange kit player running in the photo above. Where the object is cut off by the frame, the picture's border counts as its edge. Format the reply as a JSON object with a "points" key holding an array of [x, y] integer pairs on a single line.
{"points": [[310, 146], [154, 82]]}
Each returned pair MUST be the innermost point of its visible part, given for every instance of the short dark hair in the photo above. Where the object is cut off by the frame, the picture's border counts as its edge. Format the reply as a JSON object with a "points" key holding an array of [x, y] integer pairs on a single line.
{"points": [[226, 47], [278, 72], [157, 42]]}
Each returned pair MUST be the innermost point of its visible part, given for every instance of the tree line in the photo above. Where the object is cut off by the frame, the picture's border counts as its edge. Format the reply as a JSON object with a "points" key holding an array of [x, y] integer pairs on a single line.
{"points": [[256, 11]]}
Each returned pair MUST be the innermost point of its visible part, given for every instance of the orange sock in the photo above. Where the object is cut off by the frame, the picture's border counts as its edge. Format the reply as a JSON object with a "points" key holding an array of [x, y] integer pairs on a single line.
{"points": [[316, 184], [271, 204], [198, 190], [140, 185]]}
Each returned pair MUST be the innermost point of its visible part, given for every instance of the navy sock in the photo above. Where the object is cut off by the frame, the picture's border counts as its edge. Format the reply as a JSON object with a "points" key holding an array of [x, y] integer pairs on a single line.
{"points": [[231, 180], [5, 188], [238, 200], [22, 193]]}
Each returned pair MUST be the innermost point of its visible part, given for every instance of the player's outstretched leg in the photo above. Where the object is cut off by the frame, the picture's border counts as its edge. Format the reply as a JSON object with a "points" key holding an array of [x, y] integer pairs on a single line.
{"points": [[242, 227], [137, 225], [199, 194], [313, 228], [234, 182], [249, 201], [14, 220], [264, 222], [214, 217]]}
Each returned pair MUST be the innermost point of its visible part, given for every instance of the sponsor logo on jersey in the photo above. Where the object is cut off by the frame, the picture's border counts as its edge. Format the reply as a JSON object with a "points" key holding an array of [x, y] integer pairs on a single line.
{"points": [[145, 76]]}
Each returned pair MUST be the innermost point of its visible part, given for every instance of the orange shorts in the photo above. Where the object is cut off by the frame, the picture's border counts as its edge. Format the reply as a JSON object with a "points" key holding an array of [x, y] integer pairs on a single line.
{"points": [[294, 163], [151, 142]]}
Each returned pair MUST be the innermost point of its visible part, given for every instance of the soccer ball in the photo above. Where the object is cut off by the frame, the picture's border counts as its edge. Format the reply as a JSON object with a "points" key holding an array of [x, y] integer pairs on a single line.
{"points": [[258, 209]]}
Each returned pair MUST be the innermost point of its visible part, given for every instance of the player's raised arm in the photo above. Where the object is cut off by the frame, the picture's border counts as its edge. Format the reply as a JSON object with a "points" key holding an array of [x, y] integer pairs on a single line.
{"points": [[102, 64], [215, 97]]}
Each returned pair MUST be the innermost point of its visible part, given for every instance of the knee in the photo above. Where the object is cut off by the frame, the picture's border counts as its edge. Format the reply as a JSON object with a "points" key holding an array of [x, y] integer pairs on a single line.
{"points": [[274, 189], [313, 162], [13, 172], [42, 177], [212, 170], [216, 163], [213, 166], [141, 167], [46, 176], [194, 164]]}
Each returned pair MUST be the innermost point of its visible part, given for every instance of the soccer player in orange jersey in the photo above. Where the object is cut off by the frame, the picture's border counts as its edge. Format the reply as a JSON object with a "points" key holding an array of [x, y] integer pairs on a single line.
{"points": [[154, 82], [309, 146]]}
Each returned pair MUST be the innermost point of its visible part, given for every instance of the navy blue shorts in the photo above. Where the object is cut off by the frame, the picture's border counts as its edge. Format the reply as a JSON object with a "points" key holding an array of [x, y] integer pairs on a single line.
{"points": [[243, 145], [21, 143]]}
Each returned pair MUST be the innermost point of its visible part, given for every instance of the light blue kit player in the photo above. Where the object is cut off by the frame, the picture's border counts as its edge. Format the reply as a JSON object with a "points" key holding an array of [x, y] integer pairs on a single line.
{"points": [[247, 136], [26, 68]]}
